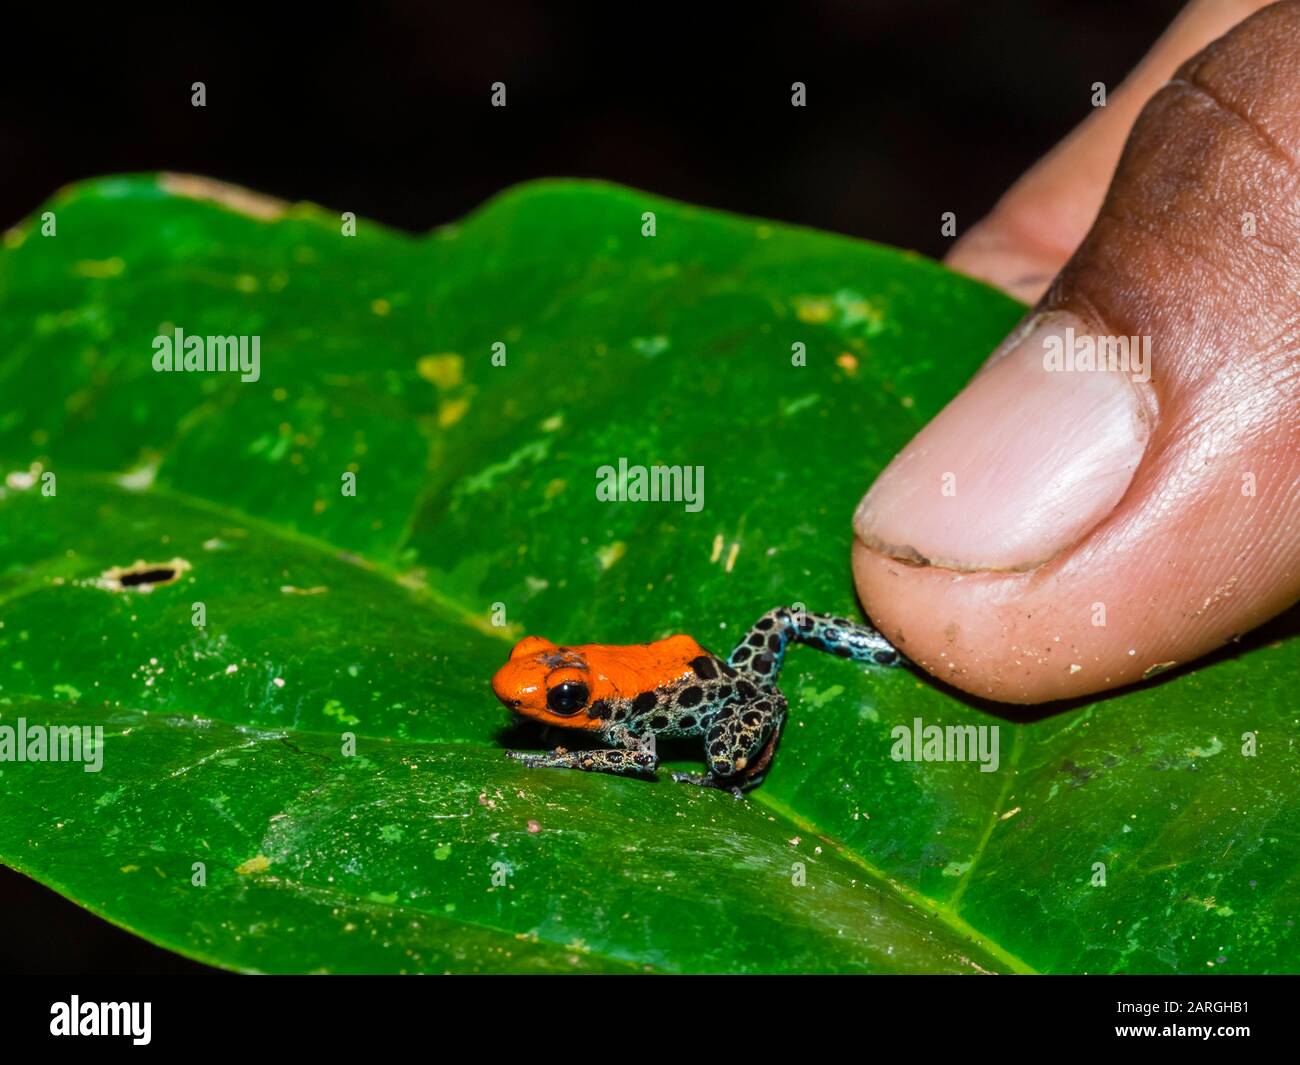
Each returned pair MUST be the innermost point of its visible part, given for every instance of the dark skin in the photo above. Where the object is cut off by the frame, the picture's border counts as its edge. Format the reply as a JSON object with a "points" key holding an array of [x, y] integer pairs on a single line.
{"points": [[1187, 234]]}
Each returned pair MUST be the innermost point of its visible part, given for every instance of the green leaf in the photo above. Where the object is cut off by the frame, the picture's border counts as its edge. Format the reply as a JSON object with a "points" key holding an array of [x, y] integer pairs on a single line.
{"points": [[372, 614]]}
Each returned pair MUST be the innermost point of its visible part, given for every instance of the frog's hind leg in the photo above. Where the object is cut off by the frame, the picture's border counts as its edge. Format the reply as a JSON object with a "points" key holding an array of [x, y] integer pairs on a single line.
{"points": [[740, 743], [757, 770], [750, 777], [708, 780], [762, 652]]}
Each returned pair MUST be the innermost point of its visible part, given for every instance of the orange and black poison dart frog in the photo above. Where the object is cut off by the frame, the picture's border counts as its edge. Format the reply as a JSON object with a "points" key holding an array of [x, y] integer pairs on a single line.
{"points": [[674, 687]]}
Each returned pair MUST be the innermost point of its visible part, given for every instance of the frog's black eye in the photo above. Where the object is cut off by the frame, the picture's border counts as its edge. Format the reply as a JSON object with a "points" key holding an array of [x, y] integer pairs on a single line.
{"points": [[567, 698]]}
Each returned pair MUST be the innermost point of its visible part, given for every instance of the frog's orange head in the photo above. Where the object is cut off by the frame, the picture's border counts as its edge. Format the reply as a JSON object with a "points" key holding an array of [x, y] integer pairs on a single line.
{"points": [[547, 683]]}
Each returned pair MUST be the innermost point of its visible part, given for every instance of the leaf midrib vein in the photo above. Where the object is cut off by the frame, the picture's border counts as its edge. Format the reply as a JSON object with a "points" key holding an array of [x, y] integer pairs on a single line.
{"points": [[1013, 764], [943, 912]]}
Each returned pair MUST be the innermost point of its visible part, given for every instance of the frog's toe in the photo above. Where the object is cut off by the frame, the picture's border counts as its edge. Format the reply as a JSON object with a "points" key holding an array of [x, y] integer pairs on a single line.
{"points": [[710, 780]]}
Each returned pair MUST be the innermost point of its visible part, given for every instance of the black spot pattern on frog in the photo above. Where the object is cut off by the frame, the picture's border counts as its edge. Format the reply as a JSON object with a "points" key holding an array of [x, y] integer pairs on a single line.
{"points": [[705, 667]]}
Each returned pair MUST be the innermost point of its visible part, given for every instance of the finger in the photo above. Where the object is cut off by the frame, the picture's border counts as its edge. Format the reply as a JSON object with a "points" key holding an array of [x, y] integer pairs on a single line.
{"points": [[1057, 530], [1036, 226]]}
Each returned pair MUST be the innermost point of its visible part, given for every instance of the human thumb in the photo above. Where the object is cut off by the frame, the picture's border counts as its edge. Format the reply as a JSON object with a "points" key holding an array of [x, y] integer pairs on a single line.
{"points": [[1118, 490]]}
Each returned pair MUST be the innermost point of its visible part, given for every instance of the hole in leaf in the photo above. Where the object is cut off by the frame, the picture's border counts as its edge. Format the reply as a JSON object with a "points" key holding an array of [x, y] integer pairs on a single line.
{"points": [[149, 576], [142, 576]]}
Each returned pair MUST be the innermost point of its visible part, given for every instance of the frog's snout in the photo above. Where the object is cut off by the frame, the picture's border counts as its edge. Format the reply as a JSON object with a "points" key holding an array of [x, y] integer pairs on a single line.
{"points": [[501, 690], [508, 685]]}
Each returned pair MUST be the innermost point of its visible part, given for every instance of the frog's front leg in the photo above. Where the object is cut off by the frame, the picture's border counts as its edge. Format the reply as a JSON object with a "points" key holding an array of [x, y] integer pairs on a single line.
{"points": [[632, 757]]}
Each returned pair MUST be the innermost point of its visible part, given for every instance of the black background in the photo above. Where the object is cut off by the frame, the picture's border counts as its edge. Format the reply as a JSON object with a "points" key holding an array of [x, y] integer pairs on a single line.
{"points": [[914, 108]]}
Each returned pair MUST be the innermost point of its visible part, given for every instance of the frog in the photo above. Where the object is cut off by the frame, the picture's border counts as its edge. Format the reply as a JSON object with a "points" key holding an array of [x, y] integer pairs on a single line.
{"points": [[628, 695]]}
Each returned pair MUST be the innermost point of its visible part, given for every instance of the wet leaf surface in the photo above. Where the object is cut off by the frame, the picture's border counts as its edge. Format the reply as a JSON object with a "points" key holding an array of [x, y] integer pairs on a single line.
{"points": [[371, 615]]}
